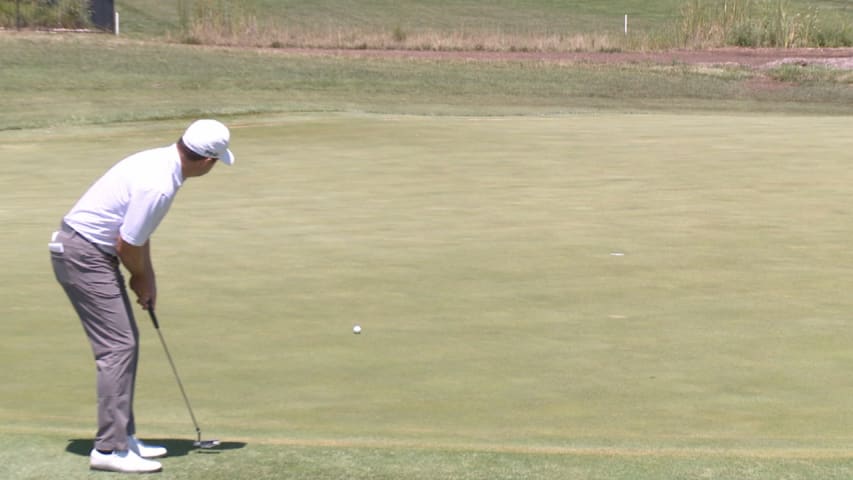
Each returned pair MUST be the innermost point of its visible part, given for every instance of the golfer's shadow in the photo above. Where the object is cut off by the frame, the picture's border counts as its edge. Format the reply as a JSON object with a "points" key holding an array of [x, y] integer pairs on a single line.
{"points": [[176, 447]]}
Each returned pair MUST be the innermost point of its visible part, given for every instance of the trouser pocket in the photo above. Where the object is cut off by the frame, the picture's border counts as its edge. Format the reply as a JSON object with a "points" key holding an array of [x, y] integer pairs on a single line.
{"points": [[57, 257]]}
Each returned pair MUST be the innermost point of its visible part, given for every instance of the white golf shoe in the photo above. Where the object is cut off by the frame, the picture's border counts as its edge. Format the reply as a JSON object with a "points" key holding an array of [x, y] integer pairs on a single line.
{"points": [[123, 462], [144, 450]]}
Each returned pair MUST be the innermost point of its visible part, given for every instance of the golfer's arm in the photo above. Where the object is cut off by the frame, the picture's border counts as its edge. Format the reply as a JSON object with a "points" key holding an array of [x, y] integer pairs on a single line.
{"points": [[137, 260]]}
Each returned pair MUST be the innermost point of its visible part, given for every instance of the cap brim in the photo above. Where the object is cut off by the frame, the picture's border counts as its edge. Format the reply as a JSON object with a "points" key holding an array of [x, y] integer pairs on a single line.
{"points": [[228, 158]]}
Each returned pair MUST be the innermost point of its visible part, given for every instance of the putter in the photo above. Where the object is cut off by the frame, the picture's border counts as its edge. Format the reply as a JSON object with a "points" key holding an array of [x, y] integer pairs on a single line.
{"points": [[198, 443]]}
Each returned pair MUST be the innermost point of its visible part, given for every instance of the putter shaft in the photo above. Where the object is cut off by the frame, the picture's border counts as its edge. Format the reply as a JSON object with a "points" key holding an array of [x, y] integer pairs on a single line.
{"points": [[178, 378]]}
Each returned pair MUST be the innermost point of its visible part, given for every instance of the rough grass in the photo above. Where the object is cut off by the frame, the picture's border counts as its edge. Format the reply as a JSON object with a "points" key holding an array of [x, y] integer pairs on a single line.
{"points": [[398, 38], [54, 14], [62, 80], [501, 25], [761, 23], [530, 25]]}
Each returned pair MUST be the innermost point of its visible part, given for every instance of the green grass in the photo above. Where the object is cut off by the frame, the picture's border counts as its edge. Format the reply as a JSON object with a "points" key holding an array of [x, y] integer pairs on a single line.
{"points": [[318, 462], [527, 16], [502, 339], [55, 14], [69, 80], [467, 216], [502, 25], [438, 15], [469, 24]]}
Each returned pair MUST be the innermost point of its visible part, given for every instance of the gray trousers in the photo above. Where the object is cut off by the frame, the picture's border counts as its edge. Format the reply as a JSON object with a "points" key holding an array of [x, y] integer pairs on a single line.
{"points": [[94, 284]]}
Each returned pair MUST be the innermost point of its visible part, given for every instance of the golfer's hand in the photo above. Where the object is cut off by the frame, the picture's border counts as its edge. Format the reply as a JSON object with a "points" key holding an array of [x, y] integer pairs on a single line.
{"points": [[145, 289], [137, 260]]}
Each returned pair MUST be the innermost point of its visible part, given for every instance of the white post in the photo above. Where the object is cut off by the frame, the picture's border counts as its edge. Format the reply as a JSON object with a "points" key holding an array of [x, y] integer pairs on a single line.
{"points": [[626, 24], [116, 24]]}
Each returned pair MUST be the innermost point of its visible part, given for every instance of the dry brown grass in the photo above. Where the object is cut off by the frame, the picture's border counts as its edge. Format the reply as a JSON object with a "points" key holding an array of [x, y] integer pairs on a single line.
{"points": [[701, 25], [212, 22], [251, 34]]}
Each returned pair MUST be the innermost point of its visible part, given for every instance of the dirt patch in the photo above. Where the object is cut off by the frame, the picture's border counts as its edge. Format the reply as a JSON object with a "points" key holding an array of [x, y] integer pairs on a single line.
{"points": [[841, 58]]}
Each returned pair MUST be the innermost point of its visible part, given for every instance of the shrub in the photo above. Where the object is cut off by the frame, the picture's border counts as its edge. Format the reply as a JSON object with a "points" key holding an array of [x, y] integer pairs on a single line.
{"points": [[45, 14], [834, 34], [755, 23], [398, 34]]}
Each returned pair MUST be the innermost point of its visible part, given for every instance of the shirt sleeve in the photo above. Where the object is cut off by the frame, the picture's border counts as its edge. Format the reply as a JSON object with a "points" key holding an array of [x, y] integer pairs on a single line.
{"points": [[145, 211]]}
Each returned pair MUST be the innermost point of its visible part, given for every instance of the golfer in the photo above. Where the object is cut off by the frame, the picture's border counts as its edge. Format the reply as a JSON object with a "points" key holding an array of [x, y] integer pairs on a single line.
{"points": [[112, 224]]}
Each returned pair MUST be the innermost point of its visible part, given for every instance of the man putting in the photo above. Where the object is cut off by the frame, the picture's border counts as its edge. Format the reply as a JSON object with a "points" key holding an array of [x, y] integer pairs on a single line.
{"points": [[112, 224]]}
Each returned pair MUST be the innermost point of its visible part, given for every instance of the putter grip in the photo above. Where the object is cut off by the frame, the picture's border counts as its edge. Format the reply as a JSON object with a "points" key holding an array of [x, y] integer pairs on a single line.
{"points": [[153, 317]]}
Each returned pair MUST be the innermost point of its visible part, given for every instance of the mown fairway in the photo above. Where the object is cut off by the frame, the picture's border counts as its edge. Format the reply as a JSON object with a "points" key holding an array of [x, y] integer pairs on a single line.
{"points": [[502, 336]]}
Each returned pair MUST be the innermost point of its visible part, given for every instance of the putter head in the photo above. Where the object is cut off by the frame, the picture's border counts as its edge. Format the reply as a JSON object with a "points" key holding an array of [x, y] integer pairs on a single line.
{"points": [[206, 443]]}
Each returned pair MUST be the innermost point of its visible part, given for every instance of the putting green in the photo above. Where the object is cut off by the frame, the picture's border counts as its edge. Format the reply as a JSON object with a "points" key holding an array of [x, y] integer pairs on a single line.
{"points": [[661, 295]]}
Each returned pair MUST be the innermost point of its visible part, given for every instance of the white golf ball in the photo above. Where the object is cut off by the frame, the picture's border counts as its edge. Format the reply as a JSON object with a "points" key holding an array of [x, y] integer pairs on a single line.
{"points": [[356, 329]]}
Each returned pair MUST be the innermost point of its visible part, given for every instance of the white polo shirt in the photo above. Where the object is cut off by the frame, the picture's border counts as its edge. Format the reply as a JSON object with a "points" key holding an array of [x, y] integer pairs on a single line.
{"points": [[129, 200]]}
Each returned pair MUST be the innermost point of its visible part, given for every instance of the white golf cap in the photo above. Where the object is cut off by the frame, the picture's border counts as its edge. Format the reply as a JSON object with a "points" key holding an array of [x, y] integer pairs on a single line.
{"points": [[209, 138]]}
